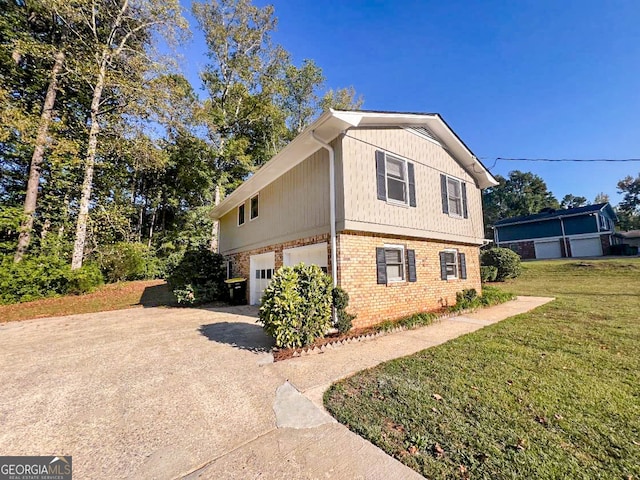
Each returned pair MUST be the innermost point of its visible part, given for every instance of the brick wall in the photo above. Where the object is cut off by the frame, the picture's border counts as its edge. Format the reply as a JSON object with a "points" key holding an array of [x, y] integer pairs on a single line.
{"points": [[605, 240], [373, 303], [526, 249]]}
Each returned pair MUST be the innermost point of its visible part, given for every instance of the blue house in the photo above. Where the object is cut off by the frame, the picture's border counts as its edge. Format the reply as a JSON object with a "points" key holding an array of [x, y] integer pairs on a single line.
{"points": [[573, 232]]}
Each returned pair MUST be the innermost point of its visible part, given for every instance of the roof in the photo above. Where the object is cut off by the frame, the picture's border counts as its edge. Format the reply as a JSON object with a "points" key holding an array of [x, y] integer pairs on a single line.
{"points": [[334, 122], [568, 212], [629, 234]]}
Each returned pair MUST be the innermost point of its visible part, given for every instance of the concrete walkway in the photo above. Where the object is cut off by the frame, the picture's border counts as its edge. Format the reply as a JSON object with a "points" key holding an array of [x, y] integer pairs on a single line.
{"points": [[193, 393], [306, 446]]}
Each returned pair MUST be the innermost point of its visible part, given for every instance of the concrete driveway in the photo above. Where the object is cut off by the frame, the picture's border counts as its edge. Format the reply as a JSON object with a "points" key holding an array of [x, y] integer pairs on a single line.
{"points": [[172, 393]]}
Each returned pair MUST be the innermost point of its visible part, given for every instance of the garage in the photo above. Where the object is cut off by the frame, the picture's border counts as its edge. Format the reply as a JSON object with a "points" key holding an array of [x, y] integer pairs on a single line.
{"points": [[262, 268], [586, 247], [316, 254], [548, 249]]}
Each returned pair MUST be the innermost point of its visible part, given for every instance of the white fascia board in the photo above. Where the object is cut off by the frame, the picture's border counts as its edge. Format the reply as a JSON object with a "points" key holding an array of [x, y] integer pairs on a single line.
{"points": [[328, 126]]}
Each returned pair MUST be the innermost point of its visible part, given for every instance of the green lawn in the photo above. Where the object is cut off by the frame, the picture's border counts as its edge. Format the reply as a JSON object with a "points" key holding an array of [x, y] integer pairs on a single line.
{"points": [[554, 393]]}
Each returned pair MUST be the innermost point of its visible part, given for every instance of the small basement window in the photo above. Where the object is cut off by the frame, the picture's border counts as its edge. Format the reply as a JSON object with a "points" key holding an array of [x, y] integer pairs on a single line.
{"points": [[394, 258], [396, 170], [241, 214], [254, 207]]}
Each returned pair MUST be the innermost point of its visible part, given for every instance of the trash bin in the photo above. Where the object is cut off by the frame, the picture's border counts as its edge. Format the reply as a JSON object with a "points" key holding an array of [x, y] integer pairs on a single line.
{"points": [[237, 290]]}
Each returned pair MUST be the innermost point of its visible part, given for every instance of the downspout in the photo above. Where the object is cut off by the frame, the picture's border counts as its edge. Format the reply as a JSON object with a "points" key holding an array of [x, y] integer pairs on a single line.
{"points": [[332, 206], [564, 239]]}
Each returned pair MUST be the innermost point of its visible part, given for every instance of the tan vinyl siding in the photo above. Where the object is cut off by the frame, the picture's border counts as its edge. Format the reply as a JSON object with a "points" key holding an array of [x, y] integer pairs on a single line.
{"points": [[295, 205], [363, 210]]}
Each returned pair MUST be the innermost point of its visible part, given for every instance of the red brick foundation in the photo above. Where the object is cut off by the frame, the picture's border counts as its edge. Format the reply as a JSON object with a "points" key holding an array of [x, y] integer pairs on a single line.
{"points": [[605, 240], [526, 249]]}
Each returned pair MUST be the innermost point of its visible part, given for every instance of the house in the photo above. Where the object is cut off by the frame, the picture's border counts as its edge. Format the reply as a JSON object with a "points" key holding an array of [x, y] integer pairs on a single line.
{"points": [[631, 238], [573, 232], [389, 204]]}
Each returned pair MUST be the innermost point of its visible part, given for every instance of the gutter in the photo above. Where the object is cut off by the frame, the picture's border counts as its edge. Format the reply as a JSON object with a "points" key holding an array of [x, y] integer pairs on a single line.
{"points": [[332, 205]]}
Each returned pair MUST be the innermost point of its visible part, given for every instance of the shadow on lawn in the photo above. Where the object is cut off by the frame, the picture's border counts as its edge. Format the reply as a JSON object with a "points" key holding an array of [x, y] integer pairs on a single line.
{"points": [[244, 336]]}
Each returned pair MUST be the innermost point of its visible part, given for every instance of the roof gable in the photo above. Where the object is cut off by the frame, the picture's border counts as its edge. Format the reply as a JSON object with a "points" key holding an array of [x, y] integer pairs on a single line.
{"points": [[331, 124]]}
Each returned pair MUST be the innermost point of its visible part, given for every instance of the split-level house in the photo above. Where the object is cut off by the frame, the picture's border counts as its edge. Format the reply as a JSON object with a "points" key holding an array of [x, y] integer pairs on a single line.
{"points": [[571, 232], [389, 204]]}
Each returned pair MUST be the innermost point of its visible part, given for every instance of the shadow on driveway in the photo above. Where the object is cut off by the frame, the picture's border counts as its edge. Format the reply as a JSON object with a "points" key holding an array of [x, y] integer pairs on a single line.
{"points": [[244, 336]]}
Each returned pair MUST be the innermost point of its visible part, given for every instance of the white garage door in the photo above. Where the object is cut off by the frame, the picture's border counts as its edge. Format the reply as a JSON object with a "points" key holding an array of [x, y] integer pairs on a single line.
{"points": [[549, 249], [309, 255], [261, 267], [586, 247]]}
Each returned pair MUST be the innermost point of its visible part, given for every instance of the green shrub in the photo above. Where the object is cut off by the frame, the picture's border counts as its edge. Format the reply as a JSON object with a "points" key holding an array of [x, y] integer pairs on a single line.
{"points": [[128, 261], [199, 277], [488, 273], [506, 261], [494, 296], [44, 276], [340, 303], [469, 299], [296, 306]]}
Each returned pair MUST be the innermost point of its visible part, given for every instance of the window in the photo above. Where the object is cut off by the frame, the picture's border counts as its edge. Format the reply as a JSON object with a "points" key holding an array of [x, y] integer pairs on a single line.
{"points": [[241, 214], [454, 196], [604, 224], [229, 269], [394, 259], [254, 207], [451, 263], [396, 179]]}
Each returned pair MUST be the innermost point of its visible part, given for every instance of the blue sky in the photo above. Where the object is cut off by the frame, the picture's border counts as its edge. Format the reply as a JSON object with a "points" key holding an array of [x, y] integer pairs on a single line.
{"points": [[515, 79]]}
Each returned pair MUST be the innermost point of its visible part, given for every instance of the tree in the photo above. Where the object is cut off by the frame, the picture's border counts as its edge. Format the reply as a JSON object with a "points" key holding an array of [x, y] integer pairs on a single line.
{"points": [[523, 193], [571, 201], [120, 36], [601, 198], [628, 209]]}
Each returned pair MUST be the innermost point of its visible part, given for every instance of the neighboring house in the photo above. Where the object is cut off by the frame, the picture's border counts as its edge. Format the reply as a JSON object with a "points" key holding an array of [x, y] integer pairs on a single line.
{"points": [[388, 203], [573, 232], [631, 238]]}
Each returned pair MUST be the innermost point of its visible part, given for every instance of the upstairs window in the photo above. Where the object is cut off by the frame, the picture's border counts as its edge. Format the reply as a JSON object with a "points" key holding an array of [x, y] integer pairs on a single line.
{"points": [[454, 196], [254, 207], [241, 214], [604, 224], [395, 179]]}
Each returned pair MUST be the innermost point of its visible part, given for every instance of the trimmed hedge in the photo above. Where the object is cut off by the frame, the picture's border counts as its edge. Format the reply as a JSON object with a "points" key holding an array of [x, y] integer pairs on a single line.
{"points": [[199, 277], [505, 260]]}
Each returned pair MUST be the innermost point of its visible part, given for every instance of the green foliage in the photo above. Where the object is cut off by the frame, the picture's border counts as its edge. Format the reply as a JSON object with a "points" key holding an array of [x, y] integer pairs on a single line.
{"points": [[488, 273], [415, 320], [571, 201], [296, 306], [10, 218], [199, 277], [469, 299], [628, 209], [340, 303], [38, 277], [128, 261], [505, 260]]}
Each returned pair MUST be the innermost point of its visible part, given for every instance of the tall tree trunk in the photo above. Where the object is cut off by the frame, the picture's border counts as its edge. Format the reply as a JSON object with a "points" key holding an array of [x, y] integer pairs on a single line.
{"points": [[33, 183], [215, 229], [89, 163]]}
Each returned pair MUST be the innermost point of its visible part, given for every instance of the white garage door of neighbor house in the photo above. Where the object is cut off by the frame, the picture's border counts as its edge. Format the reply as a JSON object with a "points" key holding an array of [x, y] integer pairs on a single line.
{"points": [[309, 255], [549, 249], [261, 267], [586, 247]]}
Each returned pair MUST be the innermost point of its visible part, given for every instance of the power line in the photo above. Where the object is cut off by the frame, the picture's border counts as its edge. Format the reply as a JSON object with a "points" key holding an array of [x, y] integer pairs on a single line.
{"points": [[562, 159]]}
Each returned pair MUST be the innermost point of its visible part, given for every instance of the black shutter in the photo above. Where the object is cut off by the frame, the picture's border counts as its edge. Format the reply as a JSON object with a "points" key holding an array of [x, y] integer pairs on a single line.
{"points": [[381, 266], [411, 261], [463, 265], [443, 266], [412, 184], [381, 176], [465, 213], [443, 191]]}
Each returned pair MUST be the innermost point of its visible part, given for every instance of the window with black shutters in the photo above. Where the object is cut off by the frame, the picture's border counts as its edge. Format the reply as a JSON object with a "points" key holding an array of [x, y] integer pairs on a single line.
{"points": [[395, 179]]}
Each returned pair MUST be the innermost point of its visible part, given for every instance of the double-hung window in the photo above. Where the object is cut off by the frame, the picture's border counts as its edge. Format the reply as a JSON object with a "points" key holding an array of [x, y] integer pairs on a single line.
{"points": [[451, 263], [396, 171], [604, 225], [241, 214], [454, 196], [394, 260], [395, 263]]}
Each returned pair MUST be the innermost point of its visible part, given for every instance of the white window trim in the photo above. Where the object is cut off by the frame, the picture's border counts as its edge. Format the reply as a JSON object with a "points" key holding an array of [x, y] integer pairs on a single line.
{"points": [[405, 162], [244, 219], [457, 263], [455, 215], [388, 246], [257, 195]]}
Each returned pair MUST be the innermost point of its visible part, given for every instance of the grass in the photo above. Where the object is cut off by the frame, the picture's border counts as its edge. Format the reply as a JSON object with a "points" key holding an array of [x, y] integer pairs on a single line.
{"points": [[554, 393], [115, 296]]}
